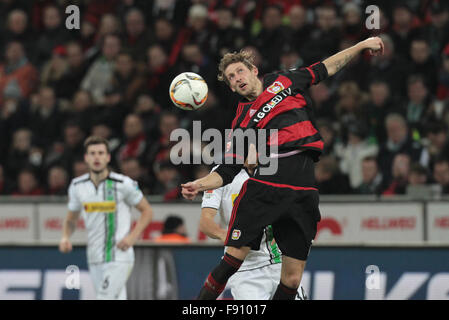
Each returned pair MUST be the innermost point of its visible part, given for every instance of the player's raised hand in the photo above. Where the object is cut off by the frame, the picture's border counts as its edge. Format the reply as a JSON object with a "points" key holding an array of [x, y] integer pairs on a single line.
{"points": [[375, 45], [189, 190], [65, 245]]}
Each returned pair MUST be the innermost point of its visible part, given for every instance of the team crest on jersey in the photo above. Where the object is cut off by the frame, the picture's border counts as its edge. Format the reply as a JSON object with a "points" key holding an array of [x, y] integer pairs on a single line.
{"points": [[276, 87], [236, 233]]}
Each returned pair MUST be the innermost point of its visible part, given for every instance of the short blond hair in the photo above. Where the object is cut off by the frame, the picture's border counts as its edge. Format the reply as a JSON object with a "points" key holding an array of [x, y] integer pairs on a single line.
{"points": [[245, 57]]}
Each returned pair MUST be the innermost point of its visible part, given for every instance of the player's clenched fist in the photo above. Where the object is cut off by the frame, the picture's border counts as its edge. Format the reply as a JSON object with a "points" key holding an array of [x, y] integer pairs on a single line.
{"points": [[65, 245], [375, 45], [189, 190]]}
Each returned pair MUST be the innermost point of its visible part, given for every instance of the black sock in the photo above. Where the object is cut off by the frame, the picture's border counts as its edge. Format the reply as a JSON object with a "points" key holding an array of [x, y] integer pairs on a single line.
{"points": [[217, 279], [285, 293]]}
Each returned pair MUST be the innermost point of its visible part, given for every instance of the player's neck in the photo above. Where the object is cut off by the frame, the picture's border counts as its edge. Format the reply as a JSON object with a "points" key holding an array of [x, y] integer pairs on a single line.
{"points": [[97, 177], [256, 92]]}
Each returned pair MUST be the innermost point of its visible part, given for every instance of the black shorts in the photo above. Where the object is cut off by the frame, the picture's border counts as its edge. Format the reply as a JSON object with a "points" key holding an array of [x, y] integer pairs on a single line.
{"points": [[282, 200]]}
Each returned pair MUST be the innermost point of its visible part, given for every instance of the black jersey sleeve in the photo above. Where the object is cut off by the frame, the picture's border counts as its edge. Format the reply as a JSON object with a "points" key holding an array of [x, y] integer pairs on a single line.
{"points": [[306, 76]]}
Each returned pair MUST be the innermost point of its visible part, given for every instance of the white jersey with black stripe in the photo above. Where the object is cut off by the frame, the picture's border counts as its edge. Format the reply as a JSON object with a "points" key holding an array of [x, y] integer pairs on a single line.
{"points": [[106, 211], [222, 199]]}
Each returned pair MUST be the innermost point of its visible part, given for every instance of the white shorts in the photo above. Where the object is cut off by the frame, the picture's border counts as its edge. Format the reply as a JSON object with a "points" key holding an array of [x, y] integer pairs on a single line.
{"points": [[258, 284], [110, 279]]}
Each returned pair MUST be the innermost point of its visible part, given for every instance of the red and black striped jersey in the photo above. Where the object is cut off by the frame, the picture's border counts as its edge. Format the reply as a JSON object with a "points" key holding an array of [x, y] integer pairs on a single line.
{"points": [[286, 106]]}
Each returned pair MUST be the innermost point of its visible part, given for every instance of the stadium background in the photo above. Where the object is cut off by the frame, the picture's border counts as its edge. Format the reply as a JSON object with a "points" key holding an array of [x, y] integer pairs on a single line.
{"points": [[111, 78]]}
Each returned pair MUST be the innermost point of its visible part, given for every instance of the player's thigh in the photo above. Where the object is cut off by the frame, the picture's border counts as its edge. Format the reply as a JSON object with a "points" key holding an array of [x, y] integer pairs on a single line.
{"points": [[294, 233], [114, 278], [251, 285], [95, 272]]}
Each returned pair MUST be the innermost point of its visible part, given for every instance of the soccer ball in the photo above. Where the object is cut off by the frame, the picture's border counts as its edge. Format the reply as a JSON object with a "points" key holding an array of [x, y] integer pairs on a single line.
{"points": [[188, 91]]}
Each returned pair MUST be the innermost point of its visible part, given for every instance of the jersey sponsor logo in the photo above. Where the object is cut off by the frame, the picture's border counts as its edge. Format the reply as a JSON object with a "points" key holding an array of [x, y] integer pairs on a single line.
{"points": [[233, 197], [272, 103], [104, 206], [236, 233], [276, 87]]}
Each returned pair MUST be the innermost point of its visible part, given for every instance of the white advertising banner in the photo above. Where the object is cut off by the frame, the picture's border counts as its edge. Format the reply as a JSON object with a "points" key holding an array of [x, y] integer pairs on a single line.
{"points": [[352, 223], [51, 218], [17, 223], [438, 222], [370, 222]]}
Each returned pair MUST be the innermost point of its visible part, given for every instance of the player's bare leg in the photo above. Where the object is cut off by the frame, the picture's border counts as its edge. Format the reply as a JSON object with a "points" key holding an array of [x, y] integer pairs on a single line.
{"points": [[291, 274], [217, 279]]}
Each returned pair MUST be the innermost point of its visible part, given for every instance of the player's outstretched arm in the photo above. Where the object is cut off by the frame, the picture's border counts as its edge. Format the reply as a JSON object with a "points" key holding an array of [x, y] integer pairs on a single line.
{"points": [[68, 228], [336, 62], [212, 181], [208, 225], [146, 215]]}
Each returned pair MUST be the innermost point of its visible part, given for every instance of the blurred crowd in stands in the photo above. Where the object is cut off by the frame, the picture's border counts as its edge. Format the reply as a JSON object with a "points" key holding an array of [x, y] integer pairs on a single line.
{"points": [[384, 119]]}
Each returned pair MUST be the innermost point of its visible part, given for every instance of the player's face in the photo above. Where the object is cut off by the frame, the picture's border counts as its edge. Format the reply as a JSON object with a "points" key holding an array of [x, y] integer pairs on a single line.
{"points": [[97, 158], [242, 80]]}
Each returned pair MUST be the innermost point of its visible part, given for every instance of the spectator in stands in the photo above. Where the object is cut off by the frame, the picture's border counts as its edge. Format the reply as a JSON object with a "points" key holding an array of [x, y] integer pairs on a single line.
{"points": [[417, 175], [23, 153], [327, 131], [199, 27], [18, 29], [165, 34], [194, 60], [137, 35], [226, 36], [134, 144], [27, 184], [168, 181], [325, 36], [54, 34], [125, 80], [82, 110], [423, 63], [109, 24], [418, 108], [441, 174], [272, 36], [46, 118], [353, 26], [131, 167], [400, 174], [371, 177], [57, 179], [79, 167], [71, 148], [322, 100], [443, 78], [328, 177], [380, 104], [298, 29], [437, 145], [149, 111], [160, 150], [5, 184], [99, 75], [398, 141], [17, 72], [70, 81], [391, 66], [89, 26], [54, 69], [402, 28], [349, 105], [159, 74], [174, 231], [352, 154], [437, 31]]}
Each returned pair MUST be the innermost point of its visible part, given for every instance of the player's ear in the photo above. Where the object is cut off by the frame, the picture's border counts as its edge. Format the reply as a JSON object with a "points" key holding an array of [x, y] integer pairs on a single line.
{"points": [[255, 71]]}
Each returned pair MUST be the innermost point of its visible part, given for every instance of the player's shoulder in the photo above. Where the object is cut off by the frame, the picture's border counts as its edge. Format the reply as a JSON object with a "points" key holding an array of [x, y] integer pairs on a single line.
{"points": [[118, 177], [80, 179]]}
